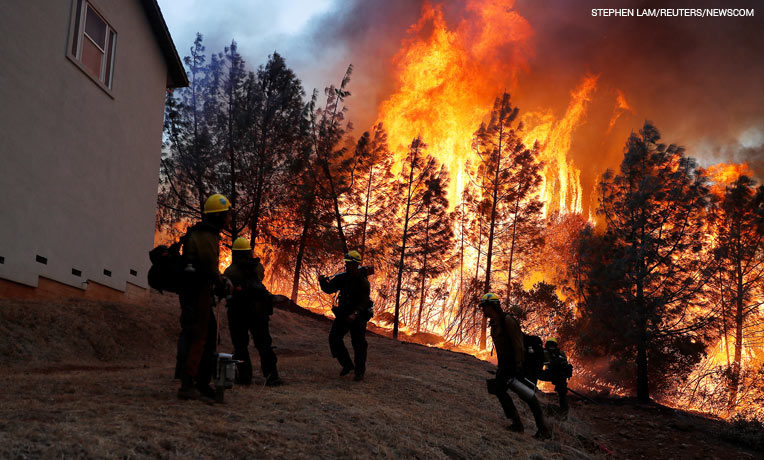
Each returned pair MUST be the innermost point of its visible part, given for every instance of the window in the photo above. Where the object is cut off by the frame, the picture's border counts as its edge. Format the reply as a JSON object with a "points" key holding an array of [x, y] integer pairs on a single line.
{"points": [[93, 42]]}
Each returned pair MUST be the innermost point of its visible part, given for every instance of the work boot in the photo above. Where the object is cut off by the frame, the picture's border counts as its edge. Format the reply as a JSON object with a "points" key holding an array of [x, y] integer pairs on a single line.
{"points": [[273, 380], [358, 376], [543, 433], [346, 370], [206, 394], [188, 393]]}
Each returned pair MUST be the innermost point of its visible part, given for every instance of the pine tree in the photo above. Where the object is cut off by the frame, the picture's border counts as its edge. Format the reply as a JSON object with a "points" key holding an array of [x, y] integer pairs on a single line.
{"points": [[432, 235], [188, 159], [739, 249], [277, 127], [512, 177], [227, 105], [644, 283], [412, 188], [327, 134]]}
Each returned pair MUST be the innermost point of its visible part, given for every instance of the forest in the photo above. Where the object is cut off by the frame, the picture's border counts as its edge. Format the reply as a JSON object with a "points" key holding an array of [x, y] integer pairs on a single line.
{"points": [[656, 294]]}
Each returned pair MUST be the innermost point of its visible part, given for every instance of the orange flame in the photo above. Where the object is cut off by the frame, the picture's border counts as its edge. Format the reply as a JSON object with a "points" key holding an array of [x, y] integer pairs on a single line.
{"points": [[621, 106], [727, 173], [561, 188], [447, 79]]}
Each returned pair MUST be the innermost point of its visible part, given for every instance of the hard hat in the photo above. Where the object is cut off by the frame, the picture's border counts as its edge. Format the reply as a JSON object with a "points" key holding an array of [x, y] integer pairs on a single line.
{"points": [[489, 298], [353, 256], [216, 203], [551, 340], [241, 244]]}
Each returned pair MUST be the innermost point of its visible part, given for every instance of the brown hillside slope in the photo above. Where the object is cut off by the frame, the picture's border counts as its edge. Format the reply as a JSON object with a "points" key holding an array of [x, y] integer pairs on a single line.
{"points": [[88, 379]]}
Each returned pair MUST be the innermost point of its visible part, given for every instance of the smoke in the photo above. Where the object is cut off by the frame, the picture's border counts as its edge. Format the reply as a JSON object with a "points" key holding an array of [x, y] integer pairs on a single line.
{"points": [[697, 79]]}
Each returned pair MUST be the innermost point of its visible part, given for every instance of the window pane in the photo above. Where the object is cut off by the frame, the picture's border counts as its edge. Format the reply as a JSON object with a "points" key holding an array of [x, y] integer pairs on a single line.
{"points": [[95, 28], [91, 57], [76, 34], [109, 58]]}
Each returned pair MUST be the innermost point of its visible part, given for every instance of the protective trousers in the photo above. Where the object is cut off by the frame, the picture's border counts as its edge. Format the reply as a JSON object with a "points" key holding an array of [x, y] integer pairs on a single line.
{"points": [[510, 411], [357, 328], [196, 344], [243, 321]]}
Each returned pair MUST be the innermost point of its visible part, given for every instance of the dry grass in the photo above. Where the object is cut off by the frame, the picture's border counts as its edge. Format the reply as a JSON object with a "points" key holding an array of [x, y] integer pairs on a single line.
{"points": [[94, 380]]}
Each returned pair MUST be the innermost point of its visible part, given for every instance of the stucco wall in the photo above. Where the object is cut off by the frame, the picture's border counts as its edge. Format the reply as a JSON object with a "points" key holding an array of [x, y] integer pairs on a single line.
{"points": [[78, 167]]}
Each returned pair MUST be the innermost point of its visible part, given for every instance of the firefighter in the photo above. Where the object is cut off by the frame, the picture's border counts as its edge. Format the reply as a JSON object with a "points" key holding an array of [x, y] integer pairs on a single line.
{"points": [[508, 342], [557, 370], [201, 279], [353, 311], [249, 309]]}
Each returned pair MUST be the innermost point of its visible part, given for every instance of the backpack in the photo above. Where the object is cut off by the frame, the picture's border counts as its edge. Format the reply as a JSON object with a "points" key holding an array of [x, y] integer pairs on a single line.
{"points": [[167, 265], [533, 353]]}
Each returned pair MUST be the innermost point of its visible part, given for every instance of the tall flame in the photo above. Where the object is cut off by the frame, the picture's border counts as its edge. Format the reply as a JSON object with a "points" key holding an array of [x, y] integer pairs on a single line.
{"points": [[447, 79], [561, 189]]}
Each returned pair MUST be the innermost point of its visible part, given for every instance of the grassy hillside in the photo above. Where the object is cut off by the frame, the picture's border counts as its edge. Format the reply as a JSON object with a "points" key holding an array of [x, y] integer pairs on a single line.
{"points": [[94, 379]]}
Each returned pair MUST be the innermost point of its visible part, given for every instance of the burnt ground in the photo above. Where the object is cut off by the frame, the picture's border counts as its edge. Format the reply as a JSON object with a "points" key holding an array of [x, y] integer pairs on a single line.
{"points": [[91, 379]]}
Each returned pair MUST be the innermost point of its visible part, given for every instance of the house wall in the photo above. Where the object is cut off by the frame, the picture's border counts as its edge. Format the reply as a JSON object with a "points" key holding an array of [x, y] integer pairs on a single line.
{"points": [[78, 165]]}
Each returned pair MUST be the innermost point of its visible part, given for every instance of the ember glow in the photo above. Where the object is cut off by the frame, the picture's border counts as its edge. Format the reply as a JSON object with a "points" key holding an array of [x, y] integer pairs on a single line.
{"points": [[579, 98]]}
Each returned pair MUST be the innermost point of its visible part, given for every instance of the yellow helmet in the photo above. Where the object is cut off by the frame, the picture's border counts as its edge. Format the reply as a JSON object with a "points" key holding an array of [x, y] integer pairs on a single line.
{"points": [[551, 339], [216, 203], [353, 256], [489, 298], [241, 244]]}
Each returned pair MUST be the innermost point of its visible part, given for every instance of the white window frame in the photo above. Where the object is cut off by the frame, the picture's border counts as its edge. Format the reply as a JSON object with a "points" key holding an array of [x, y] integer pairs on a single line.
{"points": [[78, 34]]}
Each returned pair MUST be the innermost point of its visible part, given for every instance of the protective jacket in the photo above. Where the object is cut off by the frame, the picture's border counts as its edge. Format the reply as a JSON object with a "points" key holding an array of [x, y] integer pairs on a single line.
{"points": [[508, 342], [202, 250], [557, 367], [354, 292], [248, 289]]}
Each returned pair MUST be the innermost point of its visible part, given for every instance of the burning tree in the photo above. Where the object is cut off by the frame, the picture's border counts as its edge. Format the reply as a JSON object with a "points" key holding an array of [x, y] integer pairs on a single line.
{"points": [[511, 179], [739, 250], [644, 278], [366, 202], [421, 188]]}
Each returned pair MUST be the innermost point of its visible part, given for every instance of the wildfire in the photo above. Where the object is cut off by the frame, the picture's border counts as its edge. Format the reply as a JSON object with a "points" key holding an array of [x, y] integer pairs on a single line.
{"points": [[561, 189], [726, 173], [447, 79], [621, 106]]}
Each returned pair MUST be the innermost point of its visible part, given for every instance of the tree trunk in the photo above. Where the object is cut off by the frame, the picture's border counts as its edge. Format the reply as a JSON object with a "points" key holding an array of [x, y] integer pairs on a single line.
{"points": [[737, 363], [424, 269], [403, 247], [366, 213], [301, 252], [489, 253], [255, 222], [335, 202], [512, 250]]}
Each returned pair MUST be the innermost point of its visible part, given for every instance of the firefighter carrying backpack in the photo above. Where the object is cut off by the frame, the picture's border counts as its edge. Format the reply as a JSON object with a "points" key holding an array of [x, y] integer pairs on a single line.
{"points": [[533, 353], [167, 266]]}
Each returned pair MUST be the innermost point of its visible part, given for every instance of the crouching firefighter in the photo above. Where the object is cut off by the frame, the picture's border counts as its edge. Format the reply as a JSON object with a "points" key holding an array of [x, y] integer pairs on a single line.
{"points": [[249, 309], [557, 370], [353, 311], [200, 281], [508, 341]]}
